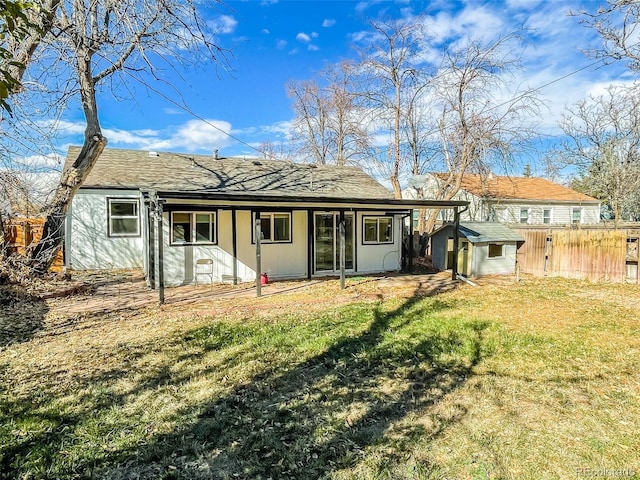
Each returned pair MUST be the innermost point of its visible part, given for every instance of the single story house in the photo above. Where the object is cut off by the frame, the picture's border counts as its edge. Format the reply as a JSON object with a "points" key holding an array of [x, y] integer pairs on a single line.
{"points": [[177, 215], [524, 200], [485, 248]]}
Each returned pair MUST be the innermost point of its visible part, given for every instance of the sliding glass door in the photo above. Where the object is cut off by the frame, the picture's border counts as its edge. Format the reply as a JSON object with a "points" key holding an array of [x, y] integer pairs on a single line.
{"points": [[327, 242]]}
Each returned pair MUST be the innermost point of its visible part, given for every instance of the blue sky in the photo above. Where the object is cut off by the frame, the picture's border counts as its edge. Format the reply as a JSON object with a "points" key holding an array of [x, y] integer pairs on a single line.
{"points": [[272, 42]]}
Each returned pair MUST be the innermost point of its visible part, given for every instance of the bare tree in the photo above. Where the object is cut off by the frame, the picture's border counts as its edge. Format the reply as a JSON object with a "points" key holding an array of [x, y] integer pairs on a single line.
{"points": [[389, 69], [618, 23], [95, 42], [604, 143], [276, 151], [311, 112], [327, 119], [417, 132], [482, 120]]}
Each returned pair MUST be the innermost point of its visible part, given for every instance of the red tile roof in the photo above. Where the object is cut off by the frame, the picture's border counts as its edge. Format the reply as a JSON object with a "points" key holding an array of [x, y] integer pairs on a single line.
{"points": [[519, 188]]}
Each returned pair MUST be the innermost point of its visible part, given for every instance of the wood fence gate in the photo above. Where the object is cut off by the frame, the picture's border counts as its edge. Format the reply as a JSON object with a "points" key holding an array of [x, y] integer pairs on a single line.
{"points": [[593, 254]]}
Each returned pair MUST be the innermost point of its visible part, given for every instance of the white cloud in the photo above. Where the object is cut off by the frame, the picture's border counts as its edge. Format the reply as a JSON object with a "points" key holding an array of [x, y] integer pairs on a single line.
{"points": [[328, 22], [62, 127], [524, 4], [224, 24], [472, 22], [118, 136], [364, 5], [197, 134], [265, 31], [173, 111], [194, 135], [313, 48], [51, 161], [303, 37], [281, 44], [282, 128]]}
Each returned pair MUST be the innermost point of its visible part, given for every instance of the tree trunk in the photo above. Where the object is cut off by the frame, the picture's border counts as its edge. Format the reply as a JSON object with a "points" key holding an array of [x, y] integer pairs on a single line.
{"points": [[72, 177], [395, 183], [422, 221], [53, 232]]}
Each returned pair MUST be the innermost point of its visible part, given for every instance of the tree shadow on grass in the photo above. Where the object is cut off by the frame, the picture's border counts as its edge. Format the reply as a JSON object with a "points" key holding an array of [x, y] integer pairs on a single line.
{"points": [[325, 414], [368, 397], [22, 315]]}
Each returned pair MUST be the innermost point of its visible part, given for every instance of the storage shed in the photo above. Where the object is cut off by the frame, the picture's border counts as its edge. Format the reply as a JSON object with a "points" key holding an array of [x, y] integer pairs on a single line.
{"points": [[485, 248]]}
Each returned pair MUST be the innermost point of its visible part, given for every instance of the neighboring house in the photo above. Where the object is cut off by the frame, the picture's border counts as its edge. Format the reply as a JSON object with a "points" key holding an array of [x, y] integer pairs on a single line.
{"points": [[527, 200], [165, 212], [485, 248]]}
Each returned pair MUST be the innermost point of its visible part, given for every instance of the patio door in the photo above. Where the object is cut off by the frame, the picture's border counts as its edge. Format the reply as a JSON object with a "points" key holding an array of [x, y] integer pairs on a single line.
{"points": [[327, 242]]}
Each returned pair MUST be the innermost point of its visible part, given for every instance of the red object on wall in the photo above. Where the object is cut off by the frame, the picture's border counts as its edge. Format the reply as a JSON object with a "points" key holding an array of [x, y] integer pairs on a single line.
{"points": [[264, 279]]}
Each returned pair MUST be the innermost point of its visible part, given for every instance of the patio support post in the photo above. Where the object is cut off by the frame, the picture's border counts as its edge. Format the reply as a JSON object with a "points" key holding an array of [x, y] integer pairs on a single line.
{"points": [[342, 232], [410, 265], [456, 240], [160, 253], [258, 233]]}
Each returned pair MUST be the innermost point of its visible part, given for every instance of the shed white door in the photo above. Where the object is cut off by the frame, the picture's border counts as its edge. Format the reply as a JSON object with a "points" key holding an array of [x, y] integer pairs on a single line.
{"points": [[327, 242]]}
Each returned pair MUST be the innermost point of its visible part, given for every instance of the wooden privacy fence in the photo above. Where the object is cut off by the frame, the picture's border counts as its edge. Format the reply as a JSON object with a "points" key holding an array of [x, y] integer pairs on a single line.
{"points": [[22, 233], [596, 255]]}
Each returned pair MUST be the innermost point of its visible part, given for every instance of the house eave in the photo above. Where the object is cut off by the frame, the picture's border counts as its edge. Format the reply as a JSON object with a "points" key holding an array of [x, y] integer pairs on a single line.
{"points": [[256, 200]]}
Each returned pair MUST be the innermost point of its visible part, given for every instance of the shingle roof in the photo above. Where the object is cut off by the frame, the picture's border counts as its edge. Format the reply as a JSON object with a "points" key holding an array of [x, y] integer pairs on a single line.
{"points": [[135, 169], [478, 232], [519, 188]]}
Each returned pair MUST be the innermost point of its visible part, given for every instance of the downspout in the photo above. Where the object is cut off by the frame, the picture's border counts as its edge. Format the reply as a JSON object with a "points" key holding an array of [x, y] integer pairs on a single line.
{"points": [[342, 234], [258, 233], [310, 238], [234, 236], [150, 201], [456, 240], [160, 215], [410, 261]]}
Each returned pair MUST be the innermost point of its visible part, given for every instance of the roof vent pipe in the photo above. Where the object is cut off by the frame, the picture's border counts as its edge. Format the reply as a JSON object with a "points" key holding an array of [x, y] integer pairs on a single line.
{"points": [[215, 154]]}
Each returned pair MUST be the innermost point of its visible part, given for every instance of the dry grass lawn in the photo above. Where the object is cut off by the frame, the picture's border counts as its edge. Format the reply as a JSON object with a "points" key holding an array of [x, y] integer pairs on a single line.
{"points": [[533, 380]]}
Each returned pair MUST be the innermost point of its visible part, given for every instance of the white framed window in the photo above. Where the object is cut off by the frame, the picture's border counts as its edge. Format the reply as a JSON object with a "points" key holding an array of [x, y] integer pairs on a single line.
{"points": [[193, 227], [274, 227], [576, 214], [496, 250], [124, 217], [547, 215], [377, 230], [524, 215]]}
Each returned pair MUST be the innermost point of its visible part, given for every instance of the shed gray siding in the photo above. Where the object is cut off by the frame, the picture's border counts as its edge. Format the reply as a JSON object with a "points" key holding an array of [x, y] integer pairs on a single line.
{"points": [[479, 235]]}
